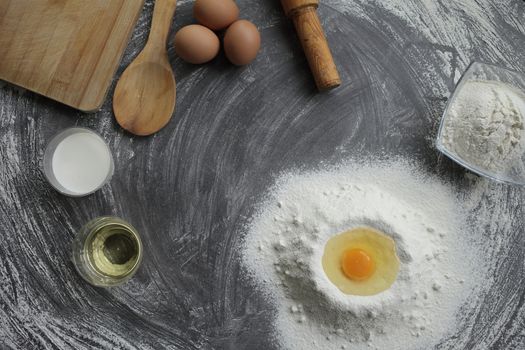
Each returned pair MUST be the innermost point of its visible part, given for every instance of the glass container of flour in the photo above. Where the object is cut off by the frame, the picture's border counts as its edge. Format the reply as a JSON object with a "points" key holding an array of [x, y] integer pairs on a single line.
{"points": [[78, 162], [483, 127]]}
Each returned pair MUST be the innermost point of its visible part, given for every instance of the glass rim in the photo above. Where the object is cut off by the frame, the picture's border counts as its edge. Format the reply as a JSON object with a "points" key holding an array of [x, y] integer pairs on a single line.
{"points": [[47, 159], [97, 224], [84, 263]]}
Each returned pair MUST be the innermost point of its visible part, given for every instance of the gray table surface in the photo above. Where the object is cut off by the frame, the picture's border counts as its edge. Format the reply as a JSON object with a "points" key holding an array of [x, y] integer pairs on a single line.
{"points": [[190, 188]]}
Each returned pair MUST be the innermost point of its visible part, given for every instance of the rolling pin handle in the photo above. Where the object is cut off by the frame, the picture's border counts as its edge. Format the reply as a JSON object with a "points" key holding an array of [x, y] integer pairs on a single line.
{"points": [[310, 32]]}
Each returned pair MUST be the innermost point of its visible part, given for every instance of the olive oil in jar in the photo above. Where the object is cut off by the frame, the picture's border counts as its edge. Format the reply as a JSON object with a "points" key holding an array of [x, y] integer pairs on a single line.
{"points": [[107, 251]]}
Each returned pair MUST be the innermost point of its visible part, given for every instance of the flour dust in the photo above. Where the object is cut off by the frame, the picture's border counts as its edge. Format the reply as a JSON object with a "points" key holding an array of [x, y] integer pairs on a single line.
{"points": [[439, 253]]}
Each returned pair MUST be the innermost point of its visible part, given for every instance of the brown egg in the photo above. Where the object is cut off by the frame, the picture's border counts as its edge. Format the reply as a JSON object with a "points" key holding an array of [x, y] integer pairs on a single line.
{"points": [[196, 44], [242, 42], [215, 14]]}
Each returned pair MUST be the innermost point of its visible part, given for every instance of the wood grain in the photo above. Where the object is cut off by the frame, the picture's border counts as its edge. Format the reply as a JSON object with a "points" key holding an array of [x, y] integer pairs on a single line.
{"points": [[311, 34], [145, 95], [67, 50]]}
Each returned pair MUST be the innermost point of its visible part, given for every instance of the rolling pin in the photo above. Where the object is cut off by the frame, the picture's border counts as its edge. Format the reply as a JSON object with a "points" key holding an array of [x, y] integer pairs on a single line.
{"points": [[304, 16]]}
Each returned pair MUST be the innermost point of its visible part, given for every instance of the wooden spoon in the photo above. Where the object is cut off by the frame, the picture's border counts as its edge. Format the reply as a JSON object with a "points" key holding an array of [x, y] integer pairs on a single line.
{"points": [[144, 98]]}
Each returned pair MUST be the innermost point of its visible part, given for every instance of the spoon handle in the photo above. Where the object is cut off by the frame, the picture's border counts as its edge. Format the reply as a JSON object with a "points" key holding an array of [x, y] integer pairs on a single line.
{"points": [[160, 25]]}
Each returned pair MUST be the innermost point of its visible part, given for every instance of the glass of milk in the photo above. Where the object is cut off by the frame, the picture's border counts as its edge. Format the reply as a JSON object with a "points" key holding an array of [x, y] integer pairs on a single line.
{"points": [[78, 162]]}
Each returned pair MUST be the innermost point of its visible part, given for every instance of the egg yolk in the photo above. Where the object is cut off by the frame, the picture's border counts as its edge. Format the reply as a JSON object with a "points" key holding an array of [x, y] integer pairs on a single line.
{"points": [[357, 264]]}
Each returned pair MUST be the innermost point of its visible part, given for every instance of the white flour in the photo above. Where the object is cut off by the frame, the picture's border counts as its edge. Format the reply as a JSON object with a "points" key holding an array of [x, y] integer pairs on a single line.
{"points": [[485, 126], [286, 239]]}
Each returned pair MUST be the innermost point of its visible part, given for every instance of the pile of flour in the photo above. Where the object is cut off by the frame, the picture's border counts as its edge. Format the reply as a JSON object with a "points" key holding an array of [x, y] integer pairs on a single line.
{"points": [[286, 239], [485, 126]]}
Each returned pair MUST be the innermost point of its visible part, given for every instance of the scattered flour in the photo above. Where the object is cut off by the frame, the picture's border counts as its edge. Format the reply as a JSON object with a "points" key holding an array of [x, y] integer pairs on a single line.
{"points": [[485, 126], [286, 239]]}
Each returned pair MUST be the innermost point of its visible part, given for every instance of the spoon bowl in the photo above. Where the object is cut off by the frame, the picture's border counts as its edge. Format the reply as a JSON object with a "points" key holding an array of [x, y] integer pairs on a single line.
{"points": [[144, 98]]}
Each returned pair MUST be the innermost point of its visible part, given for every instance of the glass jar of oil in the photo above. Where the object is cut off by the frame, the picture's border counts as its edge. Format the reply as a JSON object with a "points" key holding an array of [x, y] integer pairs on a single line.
{"points": [[107, 251]]}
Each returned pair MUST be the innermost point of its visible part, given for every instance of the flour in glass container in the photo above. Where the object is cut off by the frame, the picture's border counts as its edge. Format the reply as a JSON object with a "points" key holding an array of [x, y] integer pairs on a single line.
{"points": [[485, 126], [439, 259]]}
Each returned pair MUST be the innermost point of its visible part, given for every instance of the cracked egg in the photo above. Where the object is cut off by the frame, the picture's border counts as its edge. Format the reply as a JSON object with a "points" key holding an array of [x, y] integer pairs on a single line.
{"points": [[361, 261]]}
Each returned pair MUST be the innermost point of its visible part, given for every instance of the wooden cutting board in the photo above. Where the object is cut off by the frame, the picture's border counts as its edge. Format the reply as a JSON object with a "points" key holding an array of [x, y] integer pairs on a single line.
{"points": [[67, 50]]}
